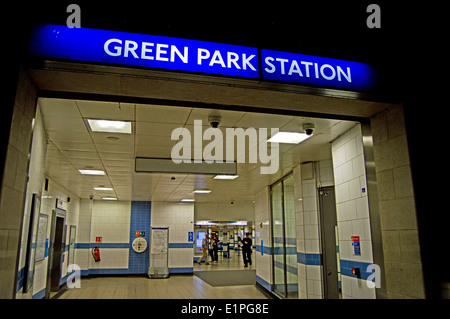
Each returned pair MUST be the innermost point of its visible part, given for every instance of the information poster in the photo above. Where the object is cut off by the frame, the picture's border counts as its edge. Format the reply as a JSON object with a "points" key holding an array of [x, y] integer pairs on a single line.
{"points": [[159, 253], [159, 241], [41, 242]]}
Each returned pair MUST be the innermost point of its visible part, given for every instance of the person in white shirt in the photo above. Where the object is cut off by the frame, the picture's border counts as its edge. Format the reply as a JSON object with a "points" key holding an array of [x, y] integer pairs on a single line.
{"points": [[205, 249]]}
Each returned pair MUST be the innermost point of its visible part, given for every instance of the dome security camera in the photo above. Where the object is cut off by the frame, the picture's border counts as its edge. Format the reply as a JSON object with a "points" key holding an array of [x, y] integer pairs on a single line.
{"points": [[308, 128], [214, 120]]}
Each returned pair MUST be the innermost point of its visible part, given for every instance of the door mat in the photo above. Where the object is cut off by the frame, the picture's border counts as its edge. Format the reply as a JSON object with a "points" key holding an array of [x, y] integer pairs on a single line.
{"points": [[227, 277]]}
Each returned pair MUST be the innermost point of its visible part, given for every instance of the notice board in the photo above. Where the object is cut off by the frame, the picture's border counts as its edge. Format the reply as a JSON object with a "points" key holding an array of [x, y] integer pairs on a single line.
{"points": [[159, 253]]}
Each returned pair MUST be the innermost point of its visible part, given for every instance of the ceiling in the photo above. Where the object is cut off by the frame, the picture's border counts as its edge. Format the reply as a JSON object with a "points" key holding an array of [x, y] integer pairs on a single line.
{"points": [[72, 146]]}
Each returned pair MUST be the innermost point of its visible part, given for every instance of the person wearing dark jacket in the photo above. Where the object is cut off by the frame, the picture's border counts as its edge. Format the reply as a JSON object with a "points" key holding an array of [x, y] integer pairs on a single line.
{"points": [[215, 248], [247, 250]]}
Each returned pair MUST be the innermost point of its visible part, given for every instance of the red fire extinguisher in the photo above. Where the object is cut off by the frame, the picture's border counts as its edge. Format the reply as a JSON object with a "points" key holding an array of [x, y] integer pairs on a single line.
{"points": [[96, 254]]}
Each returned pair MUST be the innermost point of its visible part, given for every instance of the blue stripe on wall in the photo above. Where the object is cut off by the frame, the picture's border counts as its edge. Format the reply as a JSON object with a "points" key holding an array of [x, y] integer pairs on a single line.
{"points": [[264, 249], [302, 258], [309, 259], [289, 268], [125, 271], [289, 250], [102, 245], [20, 279], [289, 240], [126, 245], [39, 295], [346, 268]]}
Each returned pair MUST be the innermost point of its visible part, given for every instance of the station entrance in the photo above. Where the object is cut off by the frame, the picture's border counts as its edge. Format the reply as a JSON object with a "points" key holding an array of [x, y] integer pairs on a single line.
{"points": [[95, 164], [108, 209]]}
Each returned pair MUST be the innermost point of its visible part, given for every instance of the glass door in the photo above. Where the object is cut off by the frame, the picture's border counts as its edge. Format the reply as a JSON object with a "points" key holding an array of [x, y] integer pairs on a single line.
{"points": [[284, 238]]}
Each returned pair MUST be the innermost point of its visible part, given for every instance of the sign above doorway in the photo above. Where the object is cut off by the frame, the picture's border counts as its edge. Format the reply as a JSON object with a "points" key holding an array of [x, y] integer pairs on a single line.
{"points": [[167, 53]]}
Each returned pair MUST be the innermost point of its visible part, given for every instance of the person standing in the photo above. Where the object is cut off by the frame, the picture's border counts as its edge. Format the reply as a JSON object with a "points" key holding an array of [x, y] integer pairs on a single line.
{"points": [[215, 249], [247, 250], [205, 250]]}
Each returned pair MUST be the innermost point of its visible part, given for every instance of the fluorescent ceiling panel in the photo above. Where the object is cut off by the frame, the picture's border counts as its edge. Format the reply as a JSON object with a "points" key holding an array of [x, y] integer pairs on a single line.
{"points": [[109, 198], [110, 126], [229, 177], [91, 172], [288, 137], [202, 191], [103, 188]]}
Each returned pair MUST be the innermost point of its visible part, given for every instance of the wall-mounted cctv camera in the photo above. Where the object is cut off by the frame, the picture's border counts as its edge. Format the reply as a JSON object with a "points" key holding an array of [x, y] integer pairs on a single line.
{"points": [[91, 197], [214, 120], [308, 128]]}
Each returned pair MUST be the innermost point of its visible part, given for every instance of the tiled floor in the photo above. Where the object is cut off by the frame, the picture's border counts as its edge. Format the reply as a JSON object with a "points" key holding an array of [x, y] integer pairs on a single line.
{"points": [[233, 263], [174, 287]]}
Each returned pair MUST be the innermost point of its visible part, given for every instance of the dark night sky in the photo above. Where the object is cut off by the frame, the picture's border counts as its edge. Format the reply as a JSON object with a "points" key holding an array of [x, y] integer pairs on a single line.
{"points": [[334, 28]]}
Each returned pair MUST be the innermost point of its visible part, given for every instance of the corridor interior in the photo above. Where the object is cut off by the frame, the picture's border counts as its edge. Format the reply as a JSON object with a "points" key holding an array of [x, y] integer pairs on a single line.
{"points": [[73, 146]]}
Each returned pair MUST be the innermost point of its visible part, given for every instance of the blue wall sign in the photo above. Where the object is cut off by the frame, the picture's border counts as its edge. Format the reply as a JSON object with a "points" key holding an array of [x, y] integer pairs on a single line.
{"points": [[356, 246], [92, 45], [190, 236], [143, 50], [308, 69]]}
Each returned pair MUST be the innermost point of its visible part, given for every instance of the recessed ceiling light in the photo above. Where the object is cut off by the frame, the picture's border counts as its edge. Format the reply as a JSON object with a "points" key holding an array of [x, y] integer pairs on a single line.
{"points": [[188, 200], [103, 188], [288, 137], [226, 176], [110, 126], [109, 198], [91, 172], [202, 191]]}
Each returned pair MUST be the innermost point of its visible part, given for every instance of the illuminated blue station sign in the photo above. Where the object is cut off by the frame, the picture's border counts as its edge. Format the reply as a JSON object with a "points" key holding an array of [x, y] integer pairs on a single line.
{"points": [[102, 46]]}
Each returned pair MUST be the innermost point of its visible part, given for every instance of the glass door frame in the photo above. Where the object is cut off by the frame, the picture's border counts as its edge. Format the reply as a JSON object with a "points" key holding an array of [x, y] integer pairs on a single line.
{"points": [[275, 291]]}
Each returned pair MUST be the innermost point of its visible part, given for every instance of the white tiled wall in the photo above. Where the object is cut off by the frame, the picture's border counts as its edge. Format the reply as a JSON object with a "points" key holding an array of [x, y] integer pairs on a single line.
{"points": [[308, 177], [111, 221], [34, 186], [179, 217], [84, 233], [111, 258], [48, 203], [352, 207], [217, 211]]}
